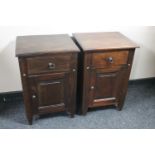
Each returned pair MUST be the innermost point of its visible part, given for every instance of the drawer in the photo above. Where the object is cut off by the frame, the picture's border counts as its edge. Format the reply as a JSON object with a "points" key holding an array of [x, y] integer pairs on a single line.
{"points": [[109, 59], [52, 63]]}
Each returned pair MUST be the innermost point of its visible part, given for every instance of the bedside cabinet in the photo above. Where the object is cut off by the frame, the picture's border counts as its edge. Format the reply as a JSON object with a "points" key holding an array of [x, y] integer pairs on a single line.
{"points": [[105, 63], [48, 65]]}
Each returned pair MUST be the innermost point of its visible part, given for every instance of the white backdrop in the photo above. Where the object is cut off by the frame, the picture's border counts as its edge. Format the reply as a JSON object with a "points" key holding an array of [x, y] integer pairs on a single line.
{"points": [[28, 17], [144, 61], [66, 16]]}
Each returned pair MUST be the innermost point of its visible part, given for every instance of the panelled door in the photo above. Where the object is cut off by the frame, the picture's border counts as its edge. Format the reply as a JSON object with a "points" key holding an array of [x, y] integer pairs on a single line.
{"points": [[49, 92], [104, 87]]}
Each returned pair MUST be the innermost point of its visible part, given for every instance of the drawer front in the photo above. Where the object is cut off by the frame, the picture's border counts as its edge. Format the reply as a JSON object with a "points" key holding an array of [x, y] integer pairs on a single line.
{"points": [[44, 64], [109, 59]]}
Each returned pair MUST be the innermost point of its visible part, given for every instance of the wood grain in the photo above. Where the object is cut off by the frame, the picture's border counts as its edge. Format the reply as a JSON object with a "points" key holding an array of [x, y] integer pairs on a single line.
{"points": [[100, 60], [44, 44], [40, 64], [47, 88], [104, 69], [103, 40]]}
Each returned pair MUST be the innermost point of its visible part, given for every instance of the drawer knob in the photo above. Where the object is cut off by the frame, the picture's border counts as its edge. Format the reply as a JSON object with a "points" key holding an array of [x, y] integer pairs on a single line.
{"points": [[110, 60], [51, 65], [92, 87], [33, 96], [74, 70]]}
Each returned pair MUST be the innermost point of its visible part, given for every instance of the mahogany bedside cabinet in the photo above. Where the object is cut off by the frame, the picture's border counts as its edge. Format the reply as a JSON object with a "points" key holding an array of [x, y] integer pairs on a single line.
{"points": [[105, 63], [48, 66]]}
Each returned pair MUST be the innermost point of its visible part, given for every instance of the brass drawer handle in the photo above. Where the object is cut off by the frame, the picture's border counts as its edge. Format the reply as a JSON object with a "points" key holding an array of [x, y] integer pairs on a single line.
{"points": [[110, 60], [51, 65]]}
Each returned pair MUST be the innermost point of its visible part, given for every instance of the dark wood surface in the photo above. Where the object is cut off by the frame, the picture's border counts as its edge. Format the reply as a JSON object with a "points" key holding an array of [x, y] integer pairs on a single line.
{"points": [[49, 90], [109, 59], [44, 44], [26, 93], [103, 40], [40, 64], [105, 65], [49, 79]]}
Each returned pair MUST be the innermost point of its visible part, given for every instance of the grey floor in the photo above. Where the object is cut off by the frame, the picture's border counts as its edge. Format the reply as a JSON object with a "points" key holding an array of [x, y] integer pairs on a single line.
{"points": [[138, 112]]}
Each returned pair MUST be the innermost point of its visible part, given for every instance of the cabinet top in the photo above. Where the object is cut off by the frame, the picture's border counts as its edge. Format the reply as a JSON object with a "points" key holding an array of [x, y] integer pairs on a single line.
{"points": [[43, 44], [103, 41]]}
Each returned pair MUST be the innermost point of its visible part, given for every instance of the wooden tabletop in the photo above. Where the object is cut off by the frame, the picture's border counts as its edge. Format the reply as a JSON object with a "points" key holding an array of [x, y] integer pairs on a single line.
{"points": [[41, 44], [103, 41]]}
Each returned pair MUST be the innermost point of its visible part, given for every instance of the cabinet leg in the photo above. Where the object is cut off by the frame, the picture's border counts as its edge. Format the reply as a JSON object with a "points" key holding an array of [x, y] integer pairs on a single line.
{"points": [[71, 115], [119, 108], [30, 120], [84, 111]]}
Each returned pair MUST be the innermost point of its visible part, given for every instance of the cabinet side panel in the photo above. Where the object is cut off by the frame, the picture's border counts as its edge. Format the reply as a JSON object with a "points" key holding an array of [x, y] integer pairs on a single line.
{"points": [[26, 95], [79, 83], [72, 84], [124, 80], [86, 82]]}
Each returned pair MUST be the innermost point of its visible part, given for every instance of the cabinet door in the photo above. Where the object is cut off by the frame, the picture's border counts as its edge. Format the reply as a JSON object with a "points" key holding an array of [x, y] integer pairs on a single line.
{"points": [[49, 92], [104, 87]]}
